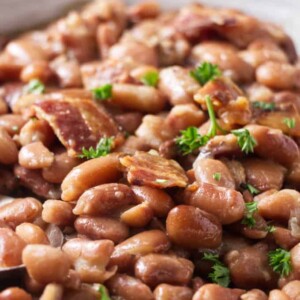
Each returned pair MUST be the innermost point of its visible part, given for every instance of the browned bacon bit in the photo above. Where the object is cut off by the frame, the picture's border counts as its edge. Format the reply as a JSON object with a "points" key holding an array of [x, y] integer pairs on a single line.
{"points": [[155, 171], [77, 123]]}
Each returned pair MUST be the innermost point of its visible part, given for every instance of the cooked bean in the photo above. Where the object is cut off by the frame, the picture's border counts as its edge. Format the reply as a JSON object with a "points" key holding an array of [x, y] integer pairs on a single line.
{"points": [[8, 148], [8, 182], [292, 289], [38, 258], [12, 123], [52, 291], [88, 174], [137, 216], [254, 295], [192, 228], [31, 234], [236, 170], [171, 292], [35, 156], [3, 106], [36, 70], [104, 199], [293, 176], [154, 269], [216, 292], [278, 295], [11, 248], [19, 211], [159, 201], [98, 228], [128, 288], [284, 238], [144, 10], [129, 121], [90, 258], [126, 253], [14, 293]]}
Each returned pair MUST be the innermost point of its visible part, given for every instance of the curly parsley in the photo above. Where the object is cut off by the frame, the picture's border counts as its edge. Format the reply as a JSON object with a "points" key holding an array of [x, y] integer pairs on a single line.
{"points": [[251, 208], [35, 86], [103, 148], [103, 92], [280, 261], [205, 72], [150, 78], [245, 140], [103, 293], [266, 106], [289, 122]]}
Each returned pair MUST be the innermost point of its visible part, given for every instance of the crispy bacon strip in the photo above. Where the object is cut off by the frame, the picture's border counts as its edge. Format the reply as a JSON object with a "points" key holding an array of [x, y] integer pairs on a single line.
{"points": [[77, 122], [153, 170]]}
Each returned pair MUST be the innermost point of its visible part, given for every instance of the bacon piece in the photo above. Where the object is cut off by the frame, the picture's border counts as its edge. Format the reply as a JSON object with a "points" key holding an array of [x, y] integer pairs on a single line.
{"points": [[153, 170], [77, 122]]}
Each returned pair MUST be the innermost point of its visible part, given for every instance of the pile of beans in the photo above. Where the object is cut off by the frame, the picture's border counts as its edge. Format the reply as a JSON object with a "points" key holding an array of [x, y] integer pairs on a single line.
{"points": [[140, 219]]}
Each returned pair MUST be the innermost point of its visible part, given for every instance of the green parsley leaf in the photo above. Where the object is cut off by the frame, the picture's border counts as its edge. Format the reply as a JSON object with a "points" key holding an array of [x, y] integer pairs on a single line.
{"points": [[220, 273], [150, 78], [103, 148], [251, 189], [190, 140], [280, 261], [205, 72], [248, 220], [103, 293], [289, 122], [15, 128], [245, 140], [270, 228], [160, 180], [217, 176], [35, 86], [103, 92], [266, 106]]}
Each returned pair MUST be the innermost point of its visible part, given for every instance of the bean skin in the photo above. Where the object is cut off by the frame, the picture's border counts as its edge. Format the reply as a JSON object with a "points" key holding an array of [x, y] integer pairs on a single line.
{"points": [[171, 292], [192, 228], [137, 216]]}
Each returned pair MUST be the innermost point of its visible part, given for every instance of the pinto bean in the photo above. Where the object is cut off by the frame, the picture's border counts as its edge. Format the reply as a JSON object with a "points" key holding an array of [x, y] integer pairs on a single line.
{"points": [[159, 201], [104, 199], [90, 258], [129, 121], [144, 10], [11, 248], [127, 287], [38, 258], [58, 212], [31, 234], [101, 228], [8, 148], [216, 292], [254, 295], [12, 123], [14, 293], [137, 216], [191, 227], [35, 156], [284, 238], [292, 289], [88, 174], [127, 252], [171, 292], [19, 211], [36, 70], [3, 107], [154, 269], [293, 176], [236, 170], [278, 295]]}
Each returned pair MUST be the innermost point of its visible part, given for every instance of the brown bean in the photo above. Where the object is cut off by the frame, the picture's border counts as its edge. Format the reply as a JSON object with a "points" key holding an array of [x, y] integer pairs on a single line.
{"points": [[292, 289], [19, 211], [254, 295], [38, 258], [152, 241], [129, 121], [284, 238], [171, 292], [98, 228], [11, 248], [35, 156], [88, 174], [12, 123], [3, 107], [216, 292], [14, 293], [144, 10], [128, 288], [226, 204], [36, 70], [137, 216], [154, 269], [90, 258], [159, 201], [8, 148], [191, 227], [31, 234], [237, 171], [293, 177], [104, 199]]}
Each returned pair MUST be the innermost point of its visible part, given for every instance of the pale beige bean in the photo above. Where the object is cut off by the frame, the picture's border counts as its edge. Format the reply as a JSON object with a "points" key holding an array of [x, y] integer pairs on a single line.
{"points": [[36, 70], [172, 292], [12, 123], [254, 295], [88, 174], [35, 156], [137, 216], [14, 293], [19, 211], [292, 289], [8, 148], [52, 291], [32, 234], [58, 212], [278, 295], [38, 258]]}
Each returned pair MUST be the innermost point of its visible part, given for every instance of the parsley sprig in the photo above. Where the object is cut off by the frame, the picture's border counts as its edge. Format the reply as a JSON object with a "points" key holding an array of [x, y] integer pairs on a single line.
{"points": [[280, 261], [250, 188], [245, 140], [217, 176], [35, 86], [289, 122], [251, 208], [150, 78], [103, 92], [103, 293], [103, 148], [205, 72], [266, 106], [220, 273]]}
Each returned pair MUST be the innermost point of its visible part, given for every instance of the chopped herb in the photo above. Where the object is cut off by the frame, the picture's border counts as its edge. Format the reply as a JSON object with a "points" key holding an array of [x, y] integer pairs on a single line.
{"points": [[217, 176], [103, 148], [103, 92], [280, 261], [103, 293], [205, 72], [245, 140], [159, 180], [150, 78], [251, 189], [35, 86], [33, 119], [220, 273], [289, 122], [264, 105], [190, 140], [15, 128], [270, 228], [248, 220]]}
